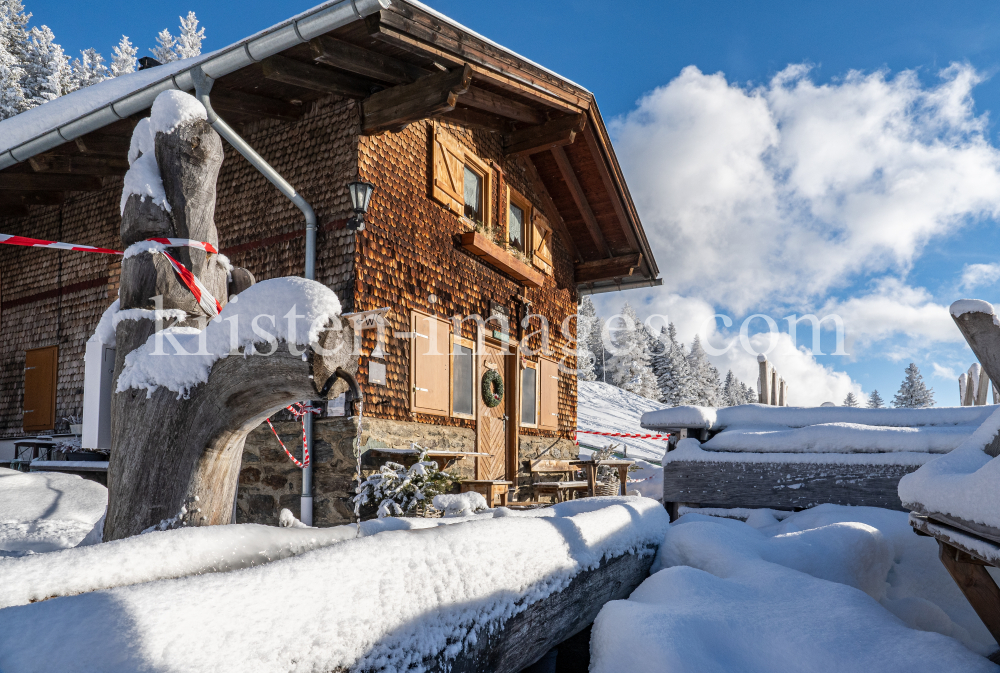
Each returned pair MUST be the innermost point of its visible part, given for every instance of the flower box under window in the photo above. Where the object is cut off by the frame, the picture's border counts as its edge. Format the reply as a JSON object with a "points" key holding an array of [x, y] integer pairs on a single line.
{"points": [[491, 253]]}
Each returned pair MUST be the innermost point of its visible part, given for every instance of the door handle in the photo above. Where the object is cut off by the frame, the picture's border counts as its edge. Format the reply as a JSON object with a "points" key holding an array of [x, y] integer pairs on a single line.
{"points": [[28, 411]]}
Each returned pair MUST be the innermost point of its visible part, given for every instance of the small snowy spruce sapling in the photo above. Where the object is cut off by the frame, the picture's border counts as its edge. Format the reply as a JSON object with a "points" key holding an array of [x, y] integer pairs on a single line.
{"points": [[397, 490], [875, 401], [850, 401], [913, 393]]}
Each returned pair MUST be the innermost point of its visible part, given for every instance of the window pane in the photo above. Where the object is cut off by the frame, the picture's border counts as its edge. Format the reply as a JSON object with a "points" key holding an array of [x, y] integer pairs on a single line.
{"points": [[462, 381], [528, 396], [473, 195], [515, 225]]}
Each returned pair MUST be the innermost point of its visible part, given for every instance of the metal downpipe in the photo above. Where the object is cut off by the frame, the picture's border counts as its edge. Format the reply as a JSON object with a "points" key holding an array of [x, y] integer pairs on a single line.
{"points": [[203, 85]]}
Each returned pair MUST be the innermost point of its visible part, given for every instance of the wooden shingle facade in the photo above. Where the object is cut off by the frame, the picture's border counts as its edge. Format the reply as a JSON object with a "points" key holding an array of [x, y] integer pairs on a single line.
{"points": [[496, 192]]}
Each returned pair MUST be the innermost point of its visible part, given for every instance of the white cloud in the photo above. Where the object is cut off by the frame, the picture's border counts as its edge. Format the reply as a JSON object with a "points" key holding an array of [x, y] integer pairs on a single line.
{"points": [[778, 194], [979, 275], [944, 372]]}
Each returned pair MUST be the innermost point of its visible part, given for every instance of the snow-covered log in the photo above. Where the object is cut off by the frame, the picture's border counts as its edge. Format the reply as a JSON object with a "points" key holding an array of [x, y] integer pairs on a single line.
{"points": [[188, 394]]}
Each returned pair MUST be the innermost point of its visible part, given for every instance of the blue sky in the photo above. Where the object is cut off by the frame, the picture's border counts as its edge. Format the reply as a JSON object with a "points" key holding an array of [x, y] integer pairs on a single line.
{"points": [[887, 256]]}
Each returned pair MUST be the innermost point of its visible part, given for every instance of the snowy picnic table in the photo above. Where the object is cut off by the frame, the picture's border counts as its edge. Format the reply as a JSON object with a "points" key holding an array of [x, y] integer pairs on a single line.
{"points": [[590, 467]]}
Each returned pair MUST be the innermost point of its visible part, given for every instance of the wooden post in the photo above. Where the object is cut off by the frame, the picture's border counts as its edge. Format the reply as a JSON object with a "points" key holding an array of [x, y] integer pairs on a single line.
{"points": [[963, 381], [983, 389], [785, 389], [781, 392], [765, 380], [977, 585], [971, 379], [774, 387]]}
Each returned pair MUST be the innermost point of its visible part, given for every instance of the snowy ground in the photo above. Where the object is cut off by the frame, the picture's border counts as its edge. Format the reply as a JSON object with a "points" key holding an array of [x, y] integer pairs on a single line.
{"points": [[828, 589], [603, 407]]}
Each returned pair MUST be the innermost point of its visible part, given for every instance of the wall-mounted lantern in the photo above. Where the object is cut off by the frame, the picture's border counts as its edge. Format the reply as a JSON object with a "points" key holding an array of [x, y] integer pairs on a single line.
{"points": [[361, 195]]}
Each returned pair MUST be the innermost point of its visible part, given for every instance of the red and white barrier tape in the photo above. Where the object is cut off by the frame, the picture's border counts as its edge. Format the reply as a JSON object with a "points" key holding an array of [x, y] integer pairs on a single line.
{"points": [[201, 294], [298, 410], [632, 435]]}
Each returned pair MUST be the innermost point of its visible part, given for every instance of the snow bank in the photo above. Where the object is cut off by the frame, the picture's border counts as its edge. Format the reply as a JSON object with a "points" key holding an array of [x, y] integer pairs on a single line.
{"points": [[829, 589], [385, 601], [690, 450], [294, 310], [607, 408], [44, 511], [841, 437], [460, 504], [961, 483], [105, 332], [747, 415], [963, 306]]}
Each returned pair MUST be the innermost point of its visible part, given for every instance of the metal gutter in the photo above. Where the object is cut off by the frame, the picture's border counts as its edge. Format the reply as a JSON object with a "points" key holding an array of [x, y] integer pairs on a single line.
{"points": [[300, 29], [611, 286]]}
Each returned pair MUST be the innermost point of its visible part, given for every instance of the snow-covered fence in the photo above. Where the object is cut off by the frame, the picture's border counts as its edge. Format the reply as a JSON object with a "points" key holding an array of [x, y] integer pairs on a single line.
{"points": [[772, 389], [973, 387]]}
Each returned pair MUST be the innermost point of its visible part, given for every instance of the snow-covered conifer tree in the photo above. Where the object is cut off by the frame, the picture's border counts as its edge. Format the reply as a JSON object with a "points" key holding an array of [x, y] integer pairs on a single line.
{"points": [[88, 69], [164, 49], [46, 68], [13, 41], [704, 377], [629, 367], [750, 395], [850, 401], [189, 41], [586, 315], [123, 57], [913, 393], [875, 401], [673, 377]]}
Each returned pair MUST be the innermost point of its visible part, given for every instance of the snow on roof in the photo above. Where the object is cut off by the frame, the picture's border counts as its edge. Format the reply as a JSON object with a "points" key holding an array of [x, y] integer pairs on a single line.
{"points": [[799, 417], [385, 601], [961, 483]]}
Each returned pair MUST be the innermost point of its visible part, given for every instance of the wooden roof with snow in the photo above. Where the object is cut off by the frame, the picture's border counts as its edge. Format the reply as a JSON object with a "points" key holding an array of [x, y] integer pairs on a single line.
{"points": [[404, 62]]}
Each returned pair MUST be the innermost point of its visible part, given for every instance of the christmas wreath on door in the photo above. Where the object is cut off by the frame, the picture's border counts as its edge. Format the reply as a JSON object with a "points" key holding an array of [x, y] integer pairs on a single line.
{"points": [[492, 388]]}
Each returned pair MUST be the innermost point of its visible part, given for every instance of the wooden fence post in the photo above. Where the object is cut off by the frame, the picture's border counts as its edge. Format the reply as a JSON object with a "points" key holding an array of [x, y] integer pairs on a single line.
{"points": [[765, 379]]}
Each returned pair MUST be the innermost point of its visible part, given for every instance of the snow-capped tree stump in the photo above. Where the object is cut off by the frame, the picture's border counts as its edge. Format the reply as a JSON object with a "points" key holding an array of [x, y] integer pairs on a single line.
{"points": [[175, 459]]}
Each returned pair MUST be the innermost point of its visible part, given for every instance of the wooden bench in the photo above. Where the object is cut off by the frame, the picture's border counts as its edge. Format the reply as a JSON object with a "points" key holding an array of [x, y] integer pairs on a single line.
{"points": [[558, 489], [494, 490]]}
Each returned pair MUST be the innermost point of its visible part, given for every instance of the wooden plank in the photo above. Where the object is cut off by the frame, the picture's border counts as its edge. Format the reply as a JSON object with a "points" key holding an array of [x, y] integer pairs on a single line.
{"points": [[316, 78], [103, 144], [971, 527], [79, 164], [983, 337], [604, 269], [487, 101], [474, 119], [580, 198], [764, 379], [556, 133], [364, 62], [239, 102], [549, 207], [427, 97], [972, 546], [977, 586], [984, 386], [47, 182], [480, 246], [783, 485]]}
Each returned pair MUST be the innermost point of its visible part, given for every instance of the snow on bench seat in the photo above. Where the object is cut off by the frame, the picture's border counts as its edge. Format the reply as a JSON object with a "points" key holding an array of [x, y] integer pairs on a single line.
{"points": [[390, 601]]}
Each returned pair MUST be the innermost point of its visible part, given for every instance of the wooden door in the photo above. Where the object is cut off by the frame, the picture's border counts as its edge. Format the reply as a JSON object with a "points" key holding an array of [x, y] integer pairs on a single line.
{"points": [[492, 426], [40, 368]]}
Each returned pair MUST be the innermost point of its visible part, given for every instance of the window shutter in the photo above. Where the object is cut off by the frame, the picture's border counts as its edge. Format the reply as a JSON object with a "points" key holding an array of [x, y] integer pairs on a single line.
{"points": [[40, 368], [430, 365], [548, 398], [448, 166], [542, 242]]}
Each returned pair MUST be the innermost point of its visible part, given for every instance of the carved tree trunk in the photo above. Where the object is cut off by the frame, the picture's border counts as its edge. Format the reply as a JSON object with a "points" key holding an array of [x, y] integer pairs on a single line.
{"points": [[169, 453]]}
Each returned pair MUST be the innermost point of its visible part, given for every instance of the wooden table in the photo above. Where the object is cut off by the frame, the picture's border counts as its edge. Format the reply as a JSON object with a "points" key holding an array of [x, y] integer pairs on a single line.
{"points": [[590, 467], [442, 458]]}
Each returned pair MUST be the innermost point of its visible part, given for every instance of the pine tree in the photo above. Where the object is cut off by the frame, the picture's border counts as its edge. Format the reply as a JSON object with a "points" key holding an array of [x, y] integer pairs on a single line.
{"points": [[913, 394], [595, 344], [673, 377], [850, 401], [13, 44], [586, 315], [46, 68], [88, 69], [704, 377], [164, 49], [629, 367], [750, 396], [875, 401], [189, 42], [123, 58]]}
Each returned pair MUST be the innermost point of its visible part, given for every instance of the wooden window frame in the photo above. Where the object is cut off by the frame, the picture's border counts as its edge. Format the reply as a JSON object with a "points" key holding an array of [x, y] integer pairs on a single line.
{"points": [[515, 197], [483, 170], [470, 344], [558, 377], [520, 402], [415, 315]]}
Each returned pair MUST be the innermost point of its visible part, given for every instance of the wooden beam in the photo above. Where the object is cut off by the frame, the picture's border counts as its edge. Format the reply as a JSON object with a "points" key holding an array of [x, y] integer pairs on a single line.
{"points": [[605, 269], [79, 164], [977, 586], [49, 182], [550, 209], [316, 78], [13, 210], [239, 102], [364, 62], [427, 97], [103, 144], [534, 139], [611, 185], [487, 101], [580, 198], [983, 336], [474, 119]]}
